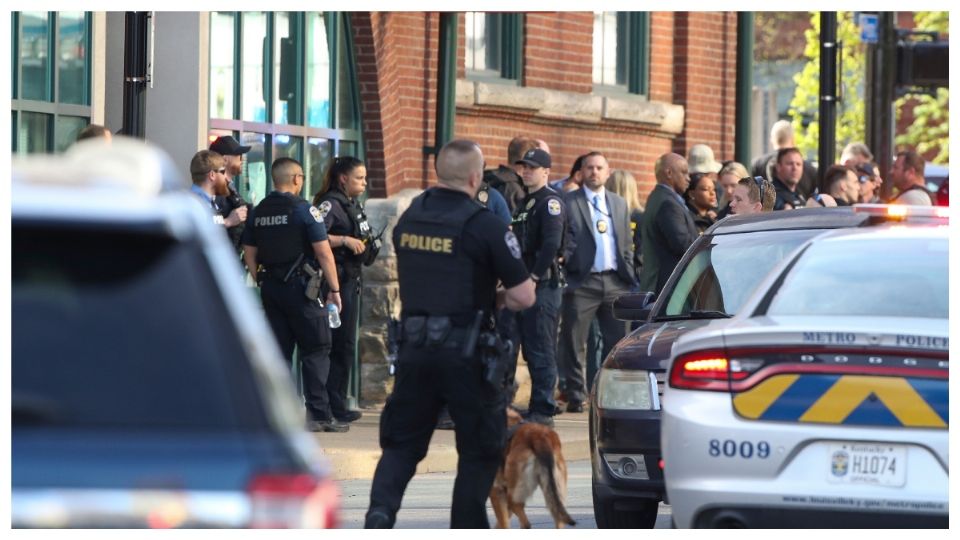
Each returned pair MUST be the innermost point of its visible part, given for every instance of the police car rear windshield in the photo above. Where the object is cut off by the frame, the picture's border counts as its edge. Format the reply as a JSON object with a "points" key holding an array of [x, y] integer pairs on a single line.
{"points": [[875, 277]]}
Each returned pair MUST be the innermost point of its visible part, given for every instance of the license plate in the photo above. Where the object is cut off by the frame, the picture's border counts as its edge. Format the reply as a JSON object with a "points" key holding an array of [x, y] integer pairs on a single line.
{"points": [[867, 464]]}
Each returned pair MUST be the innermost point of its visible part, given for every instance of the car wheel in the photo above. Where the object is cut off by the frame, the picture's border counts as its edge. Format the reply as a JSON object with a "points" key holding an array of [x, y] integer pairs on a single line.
{"points": [[636, 514]]}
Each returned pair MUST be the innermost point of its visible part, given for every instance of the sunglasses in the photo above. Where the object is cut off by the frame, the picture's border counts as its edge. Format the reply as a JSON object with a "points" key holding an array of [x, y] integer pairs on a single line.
{"points": [[759, 181]]}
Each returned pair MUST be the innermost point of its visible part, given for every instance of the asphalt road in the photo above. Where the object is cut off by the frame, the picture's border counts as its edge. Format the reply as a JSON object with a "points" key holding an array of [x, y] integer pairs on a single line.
{"points": [[426, 504]]}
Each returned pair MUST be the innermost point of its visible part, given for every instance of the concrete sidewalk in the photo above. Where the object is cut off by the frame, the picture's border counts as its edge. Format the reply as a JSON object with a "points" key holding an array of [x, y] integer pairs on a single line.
{"points": [[354, 454]]}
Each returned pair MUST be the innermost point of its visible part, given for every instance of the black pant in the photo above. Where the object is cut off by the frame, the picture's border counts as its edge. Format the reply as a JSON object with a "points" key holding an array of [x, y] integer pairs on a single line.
{"points": [[344, 348], [428, 378], [295, 320]]}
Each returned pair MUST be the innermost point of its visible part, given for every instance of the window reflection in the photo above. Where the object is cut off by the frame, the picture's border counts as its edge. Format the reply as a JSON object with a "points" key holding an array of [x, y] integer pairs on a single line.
{"points": [[346, 119], [67, 129], [34, 135], [256, 170], [605, 30], [482, 42], [284, 71], [254, 33], [291, 147], [318, 72], [222, 48], [316, 161], [34, 55], [72, 60]]}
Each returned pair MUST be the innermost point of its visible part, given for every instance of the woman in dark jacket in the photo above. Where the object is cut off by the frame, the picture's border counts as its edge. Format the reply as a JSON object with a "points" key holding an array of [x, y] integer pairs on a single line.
{"points": [[353, 245], [701, 198]]}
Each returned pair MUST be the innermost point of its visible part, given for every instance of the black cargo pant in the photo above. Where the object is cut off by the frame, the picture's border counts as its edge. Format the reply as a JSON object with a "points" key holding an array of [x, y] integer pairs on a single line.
{"points": [[295, 320], [344, 345], [428, 378]]}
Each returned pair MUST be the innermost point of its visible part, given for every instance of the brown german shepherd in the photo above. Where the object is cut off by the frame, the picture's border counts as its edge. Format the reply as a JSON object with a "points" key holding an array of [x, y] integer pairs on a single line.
{"points": [[532, 458]]}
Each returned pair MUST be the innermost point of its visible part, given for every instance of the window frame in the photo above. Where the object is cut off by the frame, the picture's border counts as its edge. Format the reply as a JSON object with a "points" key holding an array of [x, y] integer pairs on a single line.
{"points": [[511, 50], [53, 108], [336, 22], [637, 46]]}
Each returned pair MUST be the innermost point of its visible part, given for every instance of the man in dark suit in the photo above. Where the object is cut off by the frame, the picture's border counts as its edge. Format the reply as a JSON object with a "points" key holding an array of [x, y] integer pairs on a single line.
{"points": [[599, 264], [667, 228]]}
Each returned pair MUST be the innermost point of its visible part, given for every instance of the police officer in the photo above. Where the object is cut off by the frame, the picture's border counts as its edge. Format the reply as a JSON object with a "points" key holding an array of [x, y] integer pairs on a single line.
{"points": [[282, 234], [539, 225], [229, 200], [450, 254], [353, 245]]}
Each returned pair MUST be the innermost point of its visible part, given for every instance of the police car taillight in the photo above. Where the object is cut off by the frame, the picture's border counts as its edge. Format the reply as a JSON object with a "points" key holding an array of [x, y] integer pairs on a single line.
{"points": [[899, 212], [293, 501]]}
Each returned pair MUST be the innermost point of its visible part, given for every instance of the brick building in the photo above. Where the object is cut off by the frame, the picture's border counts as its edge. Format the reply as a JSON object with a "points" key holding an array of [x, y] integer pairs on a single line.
{"points": [[689, 97]]}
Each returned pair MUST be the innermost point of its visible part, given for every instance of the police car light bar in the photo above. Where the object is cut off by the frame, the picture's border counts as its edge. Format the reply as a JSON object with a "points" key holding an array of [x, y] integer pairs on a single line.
{"points": [[899, 212]]}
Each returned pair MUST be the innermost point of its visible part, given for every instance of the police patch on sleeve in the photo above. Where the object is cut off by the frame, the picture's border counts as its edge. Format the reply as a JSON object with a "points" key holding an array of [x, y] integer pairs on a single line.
{"points": [[512, 244], [553, 207], [317, 216], [324, 210]]}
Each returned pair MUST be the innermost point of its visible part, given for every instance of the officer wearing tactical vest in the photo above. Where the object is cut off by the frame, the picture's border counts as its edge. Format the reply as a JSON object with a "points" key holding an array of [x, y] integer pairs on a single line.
{"points": [[282, 234], [539, 224], [450, 254], [354, 244]]}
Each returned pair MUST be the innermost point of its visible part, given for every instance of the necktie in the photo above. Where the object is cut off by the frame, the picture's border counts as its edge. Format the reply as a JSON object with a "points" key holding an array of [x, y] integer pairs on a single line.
{"points": [[600, 258]]}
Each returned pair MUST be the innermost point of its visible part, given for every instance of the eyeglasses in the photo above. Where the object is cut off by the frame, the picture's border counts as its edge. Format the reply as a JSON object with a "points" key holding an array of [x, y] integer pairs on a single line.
{"points": [[864, 179]]}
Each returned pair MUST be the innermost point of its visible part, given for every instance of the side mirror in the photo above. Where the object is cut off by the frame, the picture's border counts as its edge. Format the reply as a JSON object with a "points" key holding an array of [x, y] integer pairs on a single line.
{"points": [[633, 306]]}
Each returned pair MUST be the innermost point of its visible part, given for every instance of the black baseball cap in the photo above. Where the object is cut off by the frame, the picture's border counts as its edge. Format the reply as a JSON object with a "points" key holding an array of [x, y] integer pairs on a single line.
{"points": [[228, 146], [536, 158]]}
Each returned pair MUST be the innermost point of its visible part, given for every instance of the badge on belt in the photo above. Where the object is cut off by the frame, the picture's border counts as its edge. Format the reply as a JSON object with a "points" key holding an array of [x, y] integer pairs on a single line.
{"points": [[601, 226]]}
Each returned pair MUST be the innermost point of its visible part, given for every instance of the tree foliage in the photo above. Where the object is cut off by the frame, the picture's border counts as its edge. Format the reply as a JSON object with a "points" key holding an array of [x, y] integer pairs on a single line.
{"points": [[930, 130], [851, 108]]}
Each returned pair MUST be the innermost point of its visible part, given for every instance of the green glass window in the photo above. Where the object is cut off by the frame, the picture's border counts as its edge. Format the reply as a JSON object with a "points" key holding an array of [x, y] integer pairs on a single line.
{"points": [[318, 71], [67, 129], [34, 135], [255, 46], [296, 88], [72, 64], [35, 55], [621, 51], [50, 76], [222, 73], [494, 45]]}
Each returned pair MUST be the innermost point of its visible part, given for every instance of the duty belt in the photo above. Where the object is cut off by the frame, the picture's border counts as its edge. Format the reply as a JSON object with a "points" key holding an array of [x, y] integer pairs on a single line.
{"points": [[432, 331]]}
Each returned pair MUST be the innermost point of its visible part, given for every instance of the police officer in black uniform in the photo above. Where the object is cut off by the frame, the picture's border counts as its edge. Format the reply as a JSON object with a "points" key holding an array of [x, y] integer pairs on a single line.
{"points": [[281, 235], [450, 254], [354, 244], [539, 225]]}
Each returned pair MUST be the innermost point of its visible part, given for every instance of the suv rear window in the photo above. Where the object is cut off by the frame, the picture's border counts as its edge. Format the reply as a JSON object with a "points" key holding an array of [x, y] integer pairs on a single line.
{"points": [[724, 271], [119, 328]]}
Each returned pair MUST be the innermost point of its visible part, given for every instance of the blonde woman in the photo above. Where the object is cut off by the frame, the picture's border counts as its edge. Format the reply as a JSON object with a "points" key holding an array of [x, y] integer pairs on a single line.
{"points": [[727, 179], [624, 184]]}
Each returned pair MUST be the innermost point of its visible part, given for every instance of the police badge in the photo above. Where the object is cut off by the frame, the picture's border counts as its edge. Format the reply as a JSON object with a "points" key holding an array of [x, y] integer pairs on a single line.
{"points": [[531, 203], [482, 197], [316, 213], [601, 226], [553, 207]]}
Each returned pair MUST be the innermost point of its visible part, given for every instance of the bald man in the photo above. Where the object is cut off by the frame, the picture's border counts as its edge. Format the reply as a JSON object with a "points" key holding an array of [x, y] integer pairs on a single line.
{"points": [[667, 229]]}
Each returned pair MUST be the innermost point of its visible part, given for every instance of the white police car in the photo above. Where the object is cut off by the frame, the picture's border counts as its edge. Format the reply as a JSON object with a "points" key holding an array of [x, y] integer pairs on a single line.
{"points": [[147, 389], [824, 402]]}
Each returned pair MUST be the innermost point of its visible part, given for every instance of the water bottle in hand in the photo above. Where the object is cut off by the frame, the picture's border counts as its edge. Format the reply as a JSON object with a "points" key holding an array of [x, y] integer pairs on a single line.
{"points": [[334, 315]]}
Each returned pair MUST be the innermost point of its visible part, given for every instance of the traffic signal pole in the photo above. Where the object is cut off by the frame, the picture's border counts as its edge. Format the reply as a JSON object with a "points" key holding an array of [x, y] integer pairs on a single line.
{"points": [[135, 73]]}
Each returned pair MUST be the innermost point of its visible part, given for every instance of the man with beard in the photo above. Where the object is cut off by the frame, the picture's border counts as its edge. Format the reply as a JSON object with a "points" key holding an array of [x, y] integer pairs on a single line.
{"points": [[229, 200], [209, 174]]}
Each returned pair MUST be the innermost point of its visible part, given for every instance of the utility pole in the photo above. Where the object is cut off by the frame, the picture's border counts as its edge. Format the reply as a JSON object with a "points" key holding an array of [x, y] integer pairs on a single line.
{"points": [[881, 68], [744, 86], [828, 93]]}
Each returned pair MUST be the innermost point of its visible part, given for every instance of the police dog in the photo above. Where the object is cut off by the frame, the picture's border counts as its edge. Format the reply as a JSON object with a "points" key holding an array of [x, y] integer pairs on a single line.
{"points": [[532, 458]]}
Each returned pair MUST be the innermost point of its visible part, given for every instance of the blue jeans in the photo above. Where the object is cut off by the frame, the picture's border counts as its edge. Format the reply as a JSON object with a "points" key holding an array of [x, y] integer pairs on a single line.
{"points": [[538, 338]]}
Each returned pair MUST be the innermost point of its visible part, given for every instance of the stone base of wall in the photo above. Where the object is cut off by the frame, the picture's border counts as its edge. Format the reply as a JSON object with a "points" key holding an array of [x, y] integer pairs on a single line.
{"points": [[380, 299]]}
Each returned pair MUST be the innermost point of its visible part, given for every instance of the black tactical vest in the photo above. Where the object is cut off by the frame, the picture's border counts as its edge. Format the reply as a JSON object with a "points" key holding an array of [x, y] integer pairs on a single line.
{"points": [[279, 240], [359, 228], [436, 275]]}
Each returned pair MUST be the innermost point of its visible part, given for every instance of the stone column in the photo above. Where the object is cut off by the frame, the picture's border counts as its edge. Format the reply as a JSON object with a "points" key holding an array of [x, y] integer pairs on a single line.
{"points": [[381, 299]]}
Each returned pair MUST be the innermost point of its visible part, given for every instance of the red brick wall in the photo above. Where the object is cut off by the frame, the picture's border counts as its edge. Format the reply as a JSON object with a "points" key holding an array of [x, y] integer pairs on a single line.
{"points": [[705, 71], [693, 64]]}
